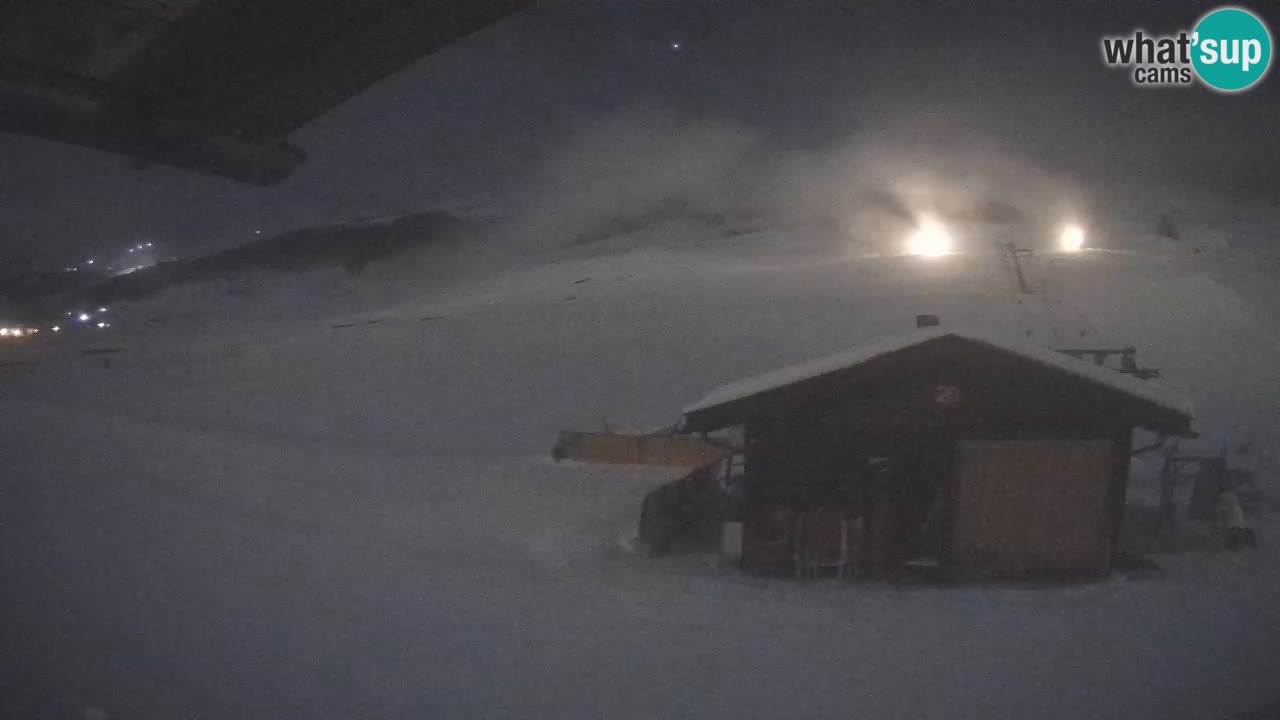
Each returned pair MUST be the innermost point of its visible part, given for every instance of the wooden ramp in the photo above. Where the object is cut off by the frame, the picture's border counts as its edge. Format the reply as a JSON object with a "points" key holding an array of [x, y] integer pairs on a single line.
{"points": [[661, 450]]}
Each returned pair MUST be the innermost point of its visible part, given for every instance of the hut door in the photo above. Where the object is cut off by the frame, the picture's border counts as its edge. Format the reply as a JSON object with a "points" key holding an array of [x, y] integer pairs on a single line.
{"points": [[1023, 507]]}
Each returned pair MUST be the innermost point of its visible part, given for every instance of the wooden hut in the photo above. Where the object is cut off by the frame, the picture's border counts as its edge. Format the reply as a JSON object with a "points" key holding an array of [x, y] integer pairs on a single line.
{"points": [[975, 455]]}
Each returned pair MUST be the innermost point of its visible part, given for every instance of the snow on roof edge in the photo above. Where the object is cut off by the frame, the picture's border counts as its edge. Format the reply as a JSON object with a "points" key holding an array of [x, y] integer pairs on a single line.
{"points": [[781, 377]]}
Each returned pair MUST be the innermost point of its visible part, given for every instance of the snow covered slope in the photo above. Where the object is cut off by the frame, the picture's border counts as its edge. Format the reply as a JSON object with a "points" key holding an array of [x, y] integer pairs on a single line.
{"points": [[341, 507]]}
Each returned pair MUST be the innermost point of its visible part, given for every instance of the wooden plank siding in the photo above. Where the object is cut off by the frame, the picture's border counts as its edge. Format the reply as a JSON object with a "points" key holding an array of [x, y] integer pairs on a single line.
{"points": [[956, 454], [1027, 507]]}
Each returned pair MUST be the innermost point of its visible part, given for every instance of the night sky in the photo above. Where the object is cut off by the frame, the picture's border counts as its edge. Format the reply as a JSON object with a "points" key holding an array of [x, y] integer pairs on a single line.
{"points": [[482, 116]]}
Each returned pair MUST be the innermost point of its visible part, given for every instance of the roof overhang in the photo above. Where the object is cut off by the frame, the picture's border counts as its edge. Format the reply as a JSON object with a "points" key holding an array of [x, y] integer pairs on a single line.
{"points": [[1157, 407], [215, 86]]}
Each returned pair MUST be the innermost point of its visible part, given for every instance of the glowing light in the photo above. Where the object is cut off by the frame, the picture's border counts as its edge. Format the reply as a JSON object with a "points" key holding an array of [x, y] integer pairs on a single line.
{"points": [[675, 46], [102, 309], [83, 317], [55, 328], [89, 261], [4, 331], [102, 324], [930, 239], [1071, 239]]}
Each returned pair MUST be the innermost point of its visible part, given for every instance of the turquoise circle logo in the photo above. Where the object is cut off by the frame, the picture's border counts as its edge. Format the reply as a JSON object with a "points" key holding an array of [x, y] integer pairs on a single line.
{"points": [[1232, 49]]}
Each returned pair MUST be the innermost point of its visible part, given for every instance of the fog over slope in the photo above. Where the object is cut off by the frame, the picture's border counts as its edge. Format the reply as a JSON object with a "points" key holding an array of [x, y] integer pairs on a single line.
{"points": [[489, 114]]}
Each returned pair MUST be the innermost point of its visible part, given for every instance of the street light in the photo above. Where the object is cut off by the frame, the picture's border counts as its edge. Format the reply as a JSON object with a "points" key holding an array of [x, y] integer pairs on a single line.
{"points": [[930, 239], [1072, 238]]}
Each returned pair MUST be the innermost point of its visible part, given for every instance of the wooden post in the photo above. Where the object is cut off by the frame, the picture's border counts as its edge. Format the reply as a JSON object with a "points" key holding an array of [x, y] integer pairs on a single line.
{"points": [[1121, 452], [1168, 483], [950, 481], [881, 521]]}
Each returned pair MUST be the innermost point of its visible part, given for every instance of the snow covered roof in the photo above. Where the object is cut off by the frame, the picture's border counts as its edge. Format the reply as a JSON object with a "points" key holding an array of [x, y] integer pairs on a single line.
{"points": [[782, 377]]}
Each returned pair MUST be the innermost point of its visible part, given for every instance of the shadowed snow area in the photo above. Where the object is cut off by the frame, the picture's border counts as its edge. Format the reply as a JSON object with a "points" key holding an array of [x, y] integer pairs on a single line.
{"points": [[306, 514]]}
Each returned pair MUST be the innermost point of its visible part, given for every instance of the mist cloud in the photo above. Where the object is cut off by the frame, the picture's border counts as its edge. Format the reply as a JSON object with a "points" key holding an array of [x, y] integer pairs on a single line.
{"points": [[636, 169]]}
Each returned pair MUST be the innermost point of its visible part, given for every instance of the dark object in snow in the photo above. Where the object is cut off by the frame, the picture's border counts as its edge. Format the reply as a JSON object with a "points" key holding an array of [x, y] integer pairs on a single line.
{"points": [[925, 321], [1166, 228], [1251, 496], [1239, 538], [428, 318], [570, 297], [357, 323], [1215, 498], [1169, 473], [1128, 359], [1231, 522], [1129, 366], [579, 282], [677, 505], [1211, 480]]}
